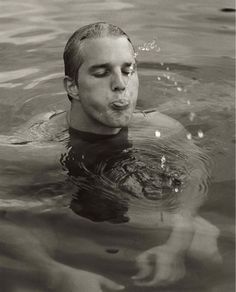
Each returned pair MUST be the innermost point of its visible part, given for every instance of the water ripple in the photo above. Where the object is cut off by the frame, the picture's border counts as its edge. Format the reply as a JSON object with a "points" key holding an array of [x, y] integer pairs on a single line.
{"points": [[37, 81], [151, 175], [16, 74], [16, 35]]}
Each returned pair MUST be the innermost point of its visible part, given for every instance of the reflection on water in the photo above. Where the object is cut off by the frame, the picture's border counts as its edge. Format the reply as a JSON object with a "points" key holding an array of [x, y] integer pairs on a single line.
{"points": [[187, 73], [140, 173]]}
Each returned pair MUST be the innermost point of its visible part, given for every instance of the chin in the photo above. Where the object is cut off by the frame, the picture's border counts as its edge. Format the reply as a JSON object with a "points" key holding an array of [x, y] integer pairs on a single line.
{"points": [[122, 123]]}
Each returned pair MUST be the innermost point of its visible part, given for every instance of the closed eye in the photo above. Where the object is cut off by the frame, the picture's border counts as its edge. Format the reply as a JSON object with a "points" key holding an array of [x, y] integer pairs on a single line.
{"points": [[102, 72], [129, 69]]}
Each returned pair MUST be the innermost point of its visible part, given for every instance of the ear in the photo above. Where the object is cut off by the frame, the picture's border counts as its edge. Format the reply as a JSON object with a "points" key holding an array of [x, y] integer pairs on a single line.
{"points": [[71, 88]]}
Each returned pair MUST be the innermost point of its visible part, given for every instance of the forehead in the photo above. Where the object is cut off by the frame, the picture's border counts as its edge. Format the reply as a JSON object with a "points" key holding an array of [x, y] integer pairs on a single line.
{"points": [[107, 50]]}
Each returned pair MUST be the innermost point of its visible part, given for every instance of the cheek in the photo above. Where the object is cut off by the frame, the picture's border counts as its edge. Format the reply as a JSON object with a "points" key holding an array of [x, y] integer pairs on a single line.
{"points": [[92, 99], [86, 87], [94, 90]]}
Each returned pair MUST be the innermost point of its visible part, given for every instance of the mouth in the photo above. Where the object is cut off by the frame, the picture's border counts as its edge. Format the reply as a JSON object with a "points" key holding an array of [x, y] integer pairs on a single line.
{"points": [[120, 104]]}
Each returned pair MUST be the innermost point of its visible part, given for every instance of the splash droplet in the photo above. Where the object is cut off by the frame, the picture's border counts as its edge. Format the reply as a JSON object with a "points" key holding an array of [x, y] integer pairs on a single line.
{"points": [[200, 134], [163, 161], [192, 116], [157, 133], [189, 136], [149, 46]]}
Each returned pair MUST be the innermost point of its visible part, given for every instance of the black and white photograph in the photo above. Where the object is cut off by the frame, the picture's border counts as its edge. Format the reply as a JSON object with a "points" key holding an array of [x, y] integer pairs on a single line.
{"points": [[117, 146]]}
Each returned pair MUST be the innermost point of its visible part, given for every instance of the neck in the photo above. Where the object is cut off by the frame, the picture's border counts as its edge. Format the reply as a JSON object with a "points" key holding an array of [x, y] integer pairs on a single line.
{"points": [[78, 119]]}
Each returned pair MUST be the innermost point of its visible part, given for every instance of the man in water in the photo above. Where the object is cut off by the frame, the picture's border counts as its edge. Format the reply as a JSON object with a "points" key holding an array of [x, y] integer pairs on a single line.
{"points": [[102, 84]]}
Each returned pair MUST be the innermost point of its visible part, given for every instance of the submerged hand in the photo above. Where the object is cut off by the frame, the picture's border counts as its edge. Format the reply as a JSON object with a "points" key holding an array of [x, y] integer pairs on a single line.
{"points": [[159, 266], [72, 280]]}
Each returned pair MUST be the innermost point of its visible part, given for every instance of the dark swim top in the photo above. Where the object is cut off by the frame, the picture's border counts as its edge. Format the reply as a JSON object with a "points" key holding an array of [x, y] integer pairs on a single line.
{"points": [[92, 137], [92, 149], [107, 171], [86, 164]]}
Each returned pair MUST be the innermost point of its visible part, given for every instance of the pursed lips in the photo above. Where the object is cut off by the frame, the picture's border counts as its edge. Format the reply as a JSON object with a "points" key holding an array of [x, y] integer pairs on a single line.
{"points": [[120, 104]]}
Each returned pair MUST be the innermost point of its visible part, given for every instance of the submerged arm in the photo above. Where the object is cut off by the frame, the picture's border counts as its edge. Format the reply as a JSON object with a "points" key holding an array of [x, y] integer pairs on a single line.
{"points": [[166, 262], [22, 245]]}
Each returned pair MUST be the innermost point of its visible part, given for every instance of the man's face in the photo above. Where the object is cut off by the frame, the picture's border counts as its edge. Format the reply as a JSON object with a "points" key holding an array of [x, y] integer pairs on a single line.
{"points": [[108, 82]]}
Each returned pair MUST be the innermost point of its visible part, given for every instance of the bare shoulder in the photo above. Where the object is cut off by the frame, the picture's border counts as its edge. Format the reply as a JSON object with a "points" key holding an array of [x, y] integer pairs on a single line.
{"points": [[157, 120], [163, 120]]}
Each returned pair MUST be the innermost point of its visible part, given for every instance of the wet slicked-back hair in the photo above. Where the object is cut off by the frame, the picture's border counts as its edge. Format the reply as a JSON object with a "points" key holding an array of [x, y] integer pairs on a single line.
{"points": [[72, 56]]}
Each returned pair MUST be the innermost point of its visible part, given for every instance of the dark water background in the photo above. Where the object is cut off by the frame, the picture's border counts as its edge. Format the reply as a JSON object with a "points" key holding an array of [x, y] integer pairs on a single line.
{"points": [[186, 65]]}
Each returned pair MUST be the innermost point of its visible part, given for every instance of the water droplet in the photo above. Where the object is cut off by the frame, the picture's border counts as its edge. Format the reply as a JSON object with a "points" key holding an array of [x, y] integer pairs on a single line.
{"points": [[175, 83], [179, 89], [176, 190], [192, 116], [200, 134], [157, 133], [162, 64], [188, 102], [152, 45], [163, 159], [168, 77], [149, 46], [167, 69], [189, 136], [158, 78]]}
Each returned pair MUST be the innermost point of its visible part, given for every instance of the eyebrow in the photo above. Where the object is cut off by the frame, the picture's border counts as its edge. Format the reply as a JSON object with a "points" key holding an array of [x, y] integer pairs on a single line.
{"points": [[108, 65]]}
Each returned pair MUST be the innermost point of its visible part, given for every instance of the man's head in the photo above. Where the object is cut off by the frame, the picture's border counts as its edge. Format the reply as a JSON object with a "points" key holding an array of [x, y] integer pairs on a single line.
{"points": [[101, 79]]}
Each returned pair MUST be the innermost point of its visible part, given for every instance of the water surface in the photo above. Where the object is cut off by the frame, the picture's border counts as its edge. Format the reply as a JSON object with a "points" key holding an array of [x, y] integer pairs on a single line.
{"points": [[186, 66]]}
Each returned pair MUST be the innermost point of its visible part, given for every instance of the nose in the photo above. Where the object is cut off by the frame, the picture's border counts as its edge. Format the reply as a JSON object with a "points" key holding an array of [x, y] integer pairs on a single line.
{"points": [[118, 82]]}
